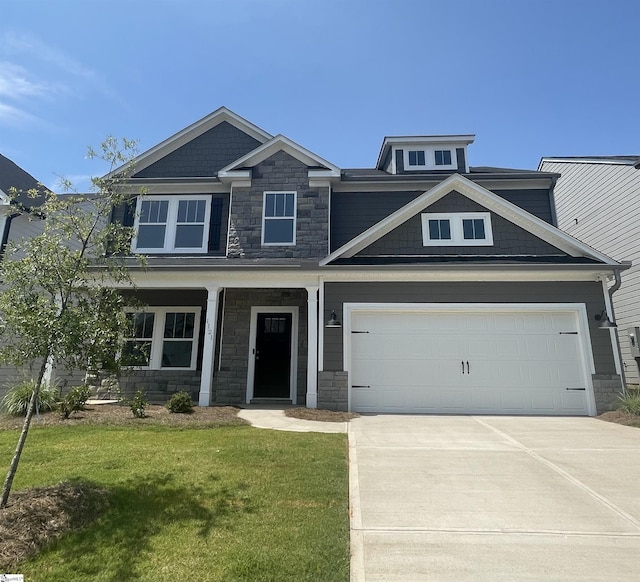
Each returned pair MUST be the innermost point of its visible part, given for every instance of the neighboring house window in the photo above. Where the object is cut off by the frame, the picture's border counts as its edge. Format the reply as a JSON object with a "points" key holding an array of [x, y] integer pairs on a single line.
{"points": [[279, 218], [442, 157], [163, 337], [457, 229], [172, 224]]}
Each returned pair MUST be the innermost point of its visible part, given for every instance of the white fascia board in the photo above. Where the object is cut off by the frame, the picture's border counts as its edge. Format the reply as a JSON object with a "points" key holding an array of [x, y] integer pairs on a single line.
{"points": [[191, 132], [280, 142], [482, 196], [238, 178], [175, 188]]}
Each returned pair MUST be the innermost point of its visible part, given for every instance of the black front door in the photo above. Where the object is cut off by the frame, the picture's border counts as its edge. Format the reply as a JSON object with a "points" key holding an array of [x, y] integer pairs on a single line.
{"points": [[272, 377]]}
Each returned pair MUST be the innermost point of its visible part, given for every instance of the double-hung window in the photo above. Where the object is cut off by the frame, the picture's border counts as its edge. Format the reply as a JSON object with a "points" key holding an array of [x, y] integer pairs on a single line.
{"points": [[172, 224], [279, 218], [457, 229], [442, 157], [163, 337]]}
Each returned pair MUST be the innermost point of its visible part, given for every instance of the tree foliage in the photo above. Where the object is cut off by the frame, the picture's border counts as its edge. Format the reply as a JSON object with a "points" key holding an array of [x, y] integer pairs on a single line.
{"points": [[59, 300]]}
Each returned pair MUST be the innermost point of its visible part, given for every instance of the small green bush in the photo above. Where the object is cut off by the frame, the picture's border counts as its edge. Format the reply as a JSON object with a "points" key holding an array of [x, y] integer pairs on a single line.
{"points": [[138, 404], [74, 400], [16, 401], [630, 402], [180, 402]]}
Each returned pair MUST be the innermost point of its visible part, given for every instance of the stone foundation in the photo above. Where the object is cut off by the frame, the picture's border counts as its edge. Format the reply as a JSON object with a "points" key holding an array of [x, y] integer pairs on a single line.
{"points": [[160, 385], [606, 388], [333, 391]]}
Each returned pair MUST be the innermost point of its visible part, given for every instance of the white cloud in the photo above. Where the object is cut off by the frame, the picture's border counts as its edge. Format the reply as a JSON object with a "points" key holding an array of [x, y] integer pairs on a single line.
{"points": [[14, 82], [10, 115]]}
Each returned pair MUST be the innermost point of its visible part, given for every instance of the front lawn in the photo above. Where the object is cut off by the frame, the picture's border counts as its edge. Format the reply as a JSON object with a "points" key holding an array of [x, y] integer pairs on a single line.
{"points": [[230, 503]]}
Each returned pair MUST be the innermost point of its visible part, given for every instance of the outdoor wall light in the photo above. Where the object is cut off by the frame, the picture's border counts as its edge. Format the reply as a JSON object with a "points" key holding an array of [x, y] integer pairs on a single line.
{"points": [[333, 320], [605, 322]]}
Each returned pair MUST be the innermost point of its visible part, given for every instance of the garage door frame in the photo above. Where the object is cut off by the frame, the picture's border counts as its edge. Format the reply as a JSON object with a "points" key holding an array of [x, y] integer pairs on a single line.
{"points": [[579, 309]]}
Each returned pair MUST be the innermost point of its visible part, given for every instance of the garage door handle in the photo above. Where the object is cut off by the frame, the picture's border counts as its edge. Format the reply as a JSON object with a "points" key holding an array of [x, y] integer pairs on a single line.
{"points": [[462, 366], [583, 389], [467, 366], [359, 386]]}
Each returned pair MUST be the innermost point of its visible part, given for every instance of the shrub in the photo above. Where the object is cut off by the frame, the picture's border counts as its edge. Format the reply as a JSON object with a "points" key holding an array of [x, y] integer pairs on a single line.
{"points": [[180, 402], [74, 400], [630, 402], [16, 400], [138, 403]]}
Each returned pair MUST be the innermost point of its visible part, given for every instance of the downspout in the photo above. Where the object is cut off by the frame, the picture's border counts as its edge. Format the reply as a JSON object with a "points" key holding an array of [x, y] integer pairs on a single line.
{"points": [[612, 316]]}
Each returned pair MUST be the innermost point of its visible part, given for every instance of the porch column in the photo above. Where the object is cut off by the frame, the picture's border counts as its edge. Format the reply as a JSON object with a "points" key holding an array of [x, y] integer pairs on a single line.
{"points": [[312, 347], [209, 347]]}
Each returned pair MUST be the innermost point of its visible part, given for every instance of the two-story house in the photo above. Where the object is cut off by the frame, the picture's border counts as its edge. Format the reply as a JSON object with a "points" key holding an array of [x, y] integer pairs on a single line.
{"points": [[422, 284], [597, 202]]}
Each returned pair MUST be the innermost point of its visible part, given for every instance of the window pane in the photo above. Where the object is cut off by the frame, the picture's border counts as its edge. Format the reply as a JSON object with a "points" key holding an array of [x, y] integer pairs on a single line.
{"points": [[473, 229], [279, 211], [189, 324], [434, 229], [269, 204], [478, 227], [445, 230], [189, 236], [439, 229], [278, 231], [176, 354], [151, 236], [136, 353], [443, 157], [467, 228], [145, 211], [201, 206], [413, 158], [182, 210], [169, 325], [290, 200], [163, 208], [421, 158]]}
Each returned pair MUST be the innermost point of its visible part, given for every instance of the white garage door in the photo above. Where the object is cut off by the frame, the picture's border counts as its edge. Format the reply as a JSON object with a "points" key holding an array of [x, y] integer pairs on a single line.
{"points": [[483, 362]]}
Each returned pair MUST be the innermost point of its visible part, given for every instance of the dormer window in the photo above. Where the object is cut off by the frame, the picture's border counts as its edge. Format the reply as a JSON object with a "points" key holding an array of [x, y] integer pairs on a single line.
{"points": [[442, 157], [416, 158]]}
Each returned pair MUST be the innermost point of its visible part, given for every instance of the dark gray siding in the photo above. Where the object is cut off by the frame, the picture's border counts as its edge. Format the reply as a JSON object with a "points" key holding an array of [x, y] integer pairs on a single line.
{"points": [[280, 172], [204, 155], [354, 212], [462, 164], [508, 238], [589, 293], [537, 202]]}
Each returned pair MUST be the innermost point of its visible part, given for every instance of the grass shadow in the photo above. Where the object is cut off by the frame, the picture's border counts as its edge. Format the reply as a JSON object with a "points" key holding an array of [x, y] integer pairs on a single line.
{"points": [[141, 508]]}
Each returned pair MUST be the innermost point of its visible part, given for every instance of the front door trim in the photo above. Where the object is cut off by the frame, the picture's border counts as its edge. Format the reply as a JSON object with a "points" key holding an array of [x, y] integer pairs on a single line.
{"points": [[255, 310]]}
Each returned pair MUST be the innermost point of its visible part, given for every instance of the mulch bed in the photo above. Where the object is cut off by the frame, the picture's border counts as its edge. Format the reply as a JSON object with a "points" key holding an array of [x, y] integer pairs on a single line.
{"points": [[620, 417], [36, 517], [318, 414], [120, 415]]}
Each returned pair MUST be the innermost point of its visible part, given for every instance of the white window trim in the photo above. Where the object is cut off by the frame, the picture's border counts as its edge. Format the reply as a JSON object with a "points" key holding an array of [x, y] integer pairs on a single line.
{"points": [[171, 225], [457, 236], [294, 218], [430, 157], [157, 337]]}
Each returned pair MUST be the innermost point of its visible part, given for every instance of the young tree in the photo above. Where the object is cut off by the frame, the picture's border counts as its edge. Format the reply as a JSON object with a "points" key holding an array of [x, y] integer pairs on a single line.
{"points": [[58, 303]]}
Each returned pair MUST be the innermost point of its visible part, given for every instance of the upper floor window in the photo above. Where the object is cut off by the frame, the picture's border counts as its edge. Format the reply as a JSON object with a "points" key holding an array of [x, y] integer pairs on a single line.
{"points": [[417, 158], [172, 224], [457, 229], [279, 218], [163, 337], [442, 157]]}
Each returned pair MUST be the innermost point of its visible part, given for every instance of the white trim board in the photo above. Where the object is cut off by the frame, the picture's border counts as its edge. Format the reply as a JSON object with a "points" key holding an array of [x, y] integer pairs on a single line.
{"points": [[482, 196]]}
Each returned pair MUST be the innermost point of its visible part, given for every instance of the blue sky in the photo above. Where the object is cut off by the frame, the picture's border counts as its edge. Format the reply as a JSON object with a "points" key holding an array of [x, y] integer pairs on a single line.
{"points": [[529, 78]]}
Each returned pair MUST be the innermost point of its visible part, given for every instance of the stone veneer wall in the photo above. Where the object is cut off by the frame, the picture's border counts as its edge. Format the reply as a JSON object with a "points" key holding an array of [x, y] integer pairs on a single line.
{"points": [[230, 379], [333, 390], [606, 389], [160, 385], [280, 172]]}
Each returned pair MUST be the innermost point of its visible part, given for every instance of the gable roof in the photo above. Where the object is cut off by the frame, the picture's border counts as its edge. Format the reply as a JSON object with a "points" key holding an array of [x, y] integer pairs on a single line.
{"points": [[191, 132], [280, 143], [611, 160], [486, 198], [13, 176]]}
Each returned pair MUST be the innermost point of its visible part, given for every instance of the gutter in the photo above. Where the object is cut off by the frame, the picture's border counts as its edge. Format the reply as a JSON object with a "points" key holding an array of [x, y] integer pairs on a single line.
{"points": [[612, 316]]}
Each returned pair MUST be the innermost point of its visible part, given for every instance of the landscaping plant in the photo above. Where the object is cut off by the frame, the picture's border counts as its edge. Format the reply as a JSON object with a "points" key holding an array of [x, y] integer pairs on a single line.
{"points": [[630, 402], [180, 402], [16, 401], [138, 404], [74, 400]]}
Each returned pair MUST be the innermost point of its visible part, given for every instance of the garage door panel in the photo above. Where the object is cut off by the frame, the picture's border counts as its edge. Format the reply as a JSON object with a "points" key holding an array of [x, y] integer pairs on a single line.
{"points": [[518, 362]]}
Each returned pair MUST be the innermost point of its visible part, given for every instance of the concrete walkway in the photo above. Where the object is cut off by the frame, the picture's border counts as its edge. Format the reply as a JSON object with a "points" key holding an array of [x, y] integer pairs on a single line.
{"points": [[275, 418], [454, 498]]}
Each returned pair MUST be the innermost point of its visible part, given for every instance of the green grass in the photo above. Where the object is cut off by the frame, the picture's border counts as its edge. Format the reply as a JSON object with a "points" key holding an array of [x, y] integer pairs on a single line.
{"points": [[228, 504]]}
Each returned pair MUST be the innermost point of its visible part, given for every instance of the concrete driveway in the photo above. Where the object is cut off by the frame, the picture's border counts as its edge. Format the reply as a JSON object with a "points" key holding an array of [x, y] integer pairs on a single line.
{"points": [[493, 498]]}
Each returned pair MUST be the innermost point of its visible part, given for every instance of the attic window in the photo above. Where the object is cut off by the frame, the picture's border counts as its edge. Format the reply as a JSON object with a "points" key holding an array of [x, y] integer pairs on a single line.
{"points": [[416, 158], [443, 157], [457, 229]]}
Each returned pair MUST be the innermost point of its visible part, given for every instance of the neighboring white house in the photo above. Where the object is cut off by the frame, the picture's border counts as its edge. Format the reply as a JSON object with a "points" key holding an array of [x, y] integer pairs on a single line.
{"points": [[598, 201]]}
